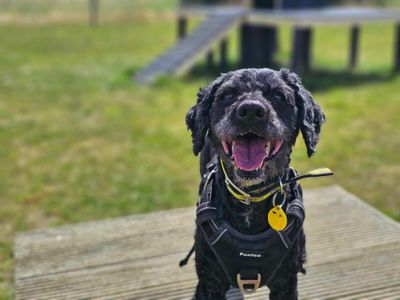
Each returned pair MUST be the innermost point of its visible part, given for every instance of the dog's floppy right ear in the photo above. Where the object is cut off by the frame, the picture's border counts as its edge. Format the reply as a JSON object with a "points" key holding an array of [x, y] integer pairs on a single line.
{"points": [[198, 117], [310, 115]]}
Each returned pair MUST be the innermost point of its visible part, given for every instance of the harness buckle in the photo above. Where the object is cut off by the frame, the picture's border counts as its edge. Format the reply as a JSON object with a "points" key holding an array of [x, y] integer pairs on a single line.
{"points": [[247, 200], [246, 289]]}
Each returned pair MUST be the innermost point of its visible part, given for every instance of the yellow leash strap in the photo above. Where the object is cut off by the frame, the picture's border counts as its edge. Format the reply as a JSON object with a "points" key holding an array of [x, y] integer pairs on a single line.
{"points": [[247, 198]]}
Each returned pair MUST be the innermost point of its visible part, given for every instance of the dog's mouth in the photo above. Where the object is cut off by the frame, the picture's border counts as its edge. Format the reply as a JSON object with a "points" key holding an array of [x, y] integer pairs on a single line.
{"points": [[249, 151]]}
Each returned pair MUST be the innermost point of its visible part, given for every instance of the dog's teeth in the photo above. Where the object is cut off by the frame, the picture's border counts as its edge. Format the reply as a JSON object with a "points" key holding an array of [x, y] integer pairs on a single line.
{"points": [[267, 148], [226, 147]]}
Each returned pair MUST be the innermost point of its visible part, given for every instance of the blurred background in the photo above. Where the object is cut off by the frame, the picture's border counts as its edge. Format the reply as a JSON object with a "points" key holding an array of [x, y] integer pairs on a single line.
{"points": [[80, 140]]}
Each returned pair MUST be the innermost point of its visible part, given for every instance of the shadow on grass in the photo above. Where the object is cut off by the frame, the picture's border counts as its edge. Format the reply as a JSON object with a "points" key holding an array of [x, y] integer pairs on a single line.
{"points": [[316, 80], [321, 80]]}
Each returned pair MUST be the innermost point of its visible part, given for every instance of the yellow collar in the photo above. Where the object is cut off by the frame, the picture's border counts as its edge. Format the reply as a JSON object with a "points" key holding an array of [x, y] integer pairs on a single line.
{"points": [[246, 198]]}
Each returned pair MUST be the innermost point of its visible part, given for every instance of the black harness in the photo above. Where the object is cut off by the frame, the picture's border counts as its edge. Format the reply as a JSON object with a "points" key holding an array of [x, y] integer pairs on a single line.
{"points": [[249, 261]]}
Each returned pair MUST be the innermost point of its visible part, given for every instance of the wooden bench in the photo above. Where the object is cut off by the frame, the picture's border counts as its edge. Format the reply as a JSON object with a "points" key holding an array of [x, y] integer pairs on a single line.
{"points": [[304, 20], [219, 21], [307, 19], [353, 253]]}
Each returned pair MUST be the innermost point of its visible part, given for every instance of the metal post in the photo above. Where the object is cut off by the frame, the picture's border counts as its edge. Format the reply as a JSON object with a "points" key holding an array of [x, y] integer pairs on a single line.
{"points": [[354, 37]]}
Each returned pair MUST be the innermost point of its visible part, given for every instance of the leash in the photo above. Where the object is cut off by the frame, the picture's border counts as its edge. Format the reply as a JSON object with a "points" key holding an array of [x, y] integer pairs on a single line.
{"points": [[184, 261]]}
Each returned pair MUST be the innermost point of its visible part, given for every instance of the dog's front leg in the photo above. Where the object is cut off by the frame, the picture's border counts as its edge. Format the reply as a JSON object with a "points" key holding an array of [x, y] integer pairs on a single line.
{"points": [[284, 288], [213, 283]]}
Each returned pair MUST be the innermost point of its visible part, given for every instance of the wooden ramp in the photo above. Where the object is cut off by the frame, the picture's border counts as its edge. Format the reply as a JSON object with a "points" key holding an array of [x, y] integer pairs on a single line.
{"points": [[185, 53], [353, 253]]}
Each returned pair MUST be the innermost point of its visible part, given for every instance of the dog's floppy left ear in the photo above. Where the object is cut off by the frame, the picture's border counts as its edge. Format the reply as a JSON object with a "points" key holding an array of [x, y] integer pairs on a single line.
{"points": [[198, 117], [310, 115]]}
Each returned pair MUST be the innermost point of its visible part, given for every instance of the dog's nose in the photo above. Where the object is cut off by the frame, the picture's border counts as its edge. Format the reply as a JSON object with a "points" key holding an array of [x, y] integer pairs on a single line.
{"points": [[250, 110]]}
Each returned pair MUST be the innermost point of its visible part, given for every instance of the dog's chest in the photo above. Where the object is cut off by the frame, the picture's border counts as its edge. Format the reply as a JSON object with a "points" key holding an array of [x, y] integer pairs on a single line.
{"points": [[250, 220]]}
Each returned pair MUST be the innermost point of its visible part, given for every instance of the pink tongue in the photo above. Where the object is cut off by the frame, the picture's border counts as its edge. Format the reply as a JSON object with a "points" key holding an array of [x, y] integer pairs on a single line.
{"points": [[248, 154]]}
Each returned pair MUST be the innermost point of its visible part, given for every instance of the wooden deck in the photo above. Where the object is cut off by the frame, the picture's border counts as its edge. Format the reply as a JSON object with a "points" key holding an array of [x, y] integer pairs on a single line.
{"points": [[353, 253]]}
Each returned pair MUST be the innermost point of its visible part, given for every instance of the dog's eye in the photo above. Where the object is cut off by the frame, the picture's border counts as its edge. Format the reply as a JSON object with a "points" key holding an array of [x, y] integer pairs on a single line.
{"points": [[227, 100], [278, 97]]}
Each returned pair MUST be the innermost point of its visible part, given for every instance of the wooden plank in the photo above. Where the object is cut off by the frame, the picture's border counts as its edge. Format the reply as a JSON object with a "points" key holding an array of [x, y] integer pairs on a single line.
{"points": [[304, 17], [324, 16], [350, 245], [209, 10], [179, 58], [217, 37]]}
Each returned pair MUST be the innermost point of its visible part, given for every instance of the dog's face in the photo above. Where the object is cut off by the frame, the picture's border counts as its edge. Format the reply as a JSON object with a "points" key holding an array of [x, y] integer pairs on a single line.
{"points": [[253, 117]]}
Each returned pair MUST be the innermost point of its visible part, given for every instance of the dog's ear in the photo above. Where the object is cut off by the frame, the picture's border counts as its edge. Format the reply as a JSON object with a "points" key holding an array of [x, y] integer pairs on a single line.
{"points": [[310, 115], [198, 117]]}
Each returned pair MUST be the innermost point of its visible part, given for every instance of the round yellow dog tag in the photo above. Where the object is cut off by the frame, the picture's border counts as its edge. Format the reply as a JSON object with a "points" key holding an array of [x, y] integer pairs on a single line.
{"points": [[277, 218]]}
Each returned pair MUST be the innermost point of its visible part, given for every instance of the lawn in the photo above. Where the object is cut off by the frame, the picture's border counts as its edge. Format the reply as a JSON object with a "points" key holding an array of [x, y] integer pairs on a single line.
{"points": [[80, 141]]}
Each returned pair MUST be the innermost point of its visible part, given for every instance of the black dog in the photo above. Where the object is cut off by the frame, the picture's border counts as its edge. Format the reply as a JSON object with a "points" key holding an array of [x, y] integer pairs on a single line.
{"points": [[248, 120]]}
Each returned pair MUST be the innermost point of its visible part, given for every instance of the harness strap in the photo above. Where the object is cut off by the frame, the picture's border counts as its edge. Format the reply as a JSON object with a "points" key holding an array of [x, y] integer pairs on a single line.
{"points": [[296, 208], [249, 261], [204, 211], [283, 258]]}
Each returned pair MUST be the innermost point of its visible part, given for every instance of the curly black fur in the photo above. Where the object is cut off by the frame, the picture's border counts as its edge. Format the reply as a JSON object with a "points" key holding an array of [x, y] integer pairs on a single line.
{"points": [[290, 109]]}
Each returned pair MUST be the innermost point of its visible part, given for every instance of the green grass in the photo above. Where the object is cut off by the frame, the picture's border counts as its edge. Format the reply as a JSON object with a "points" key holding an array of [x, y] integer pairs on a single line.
{"points": [[43, 7], [79, 141]]}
